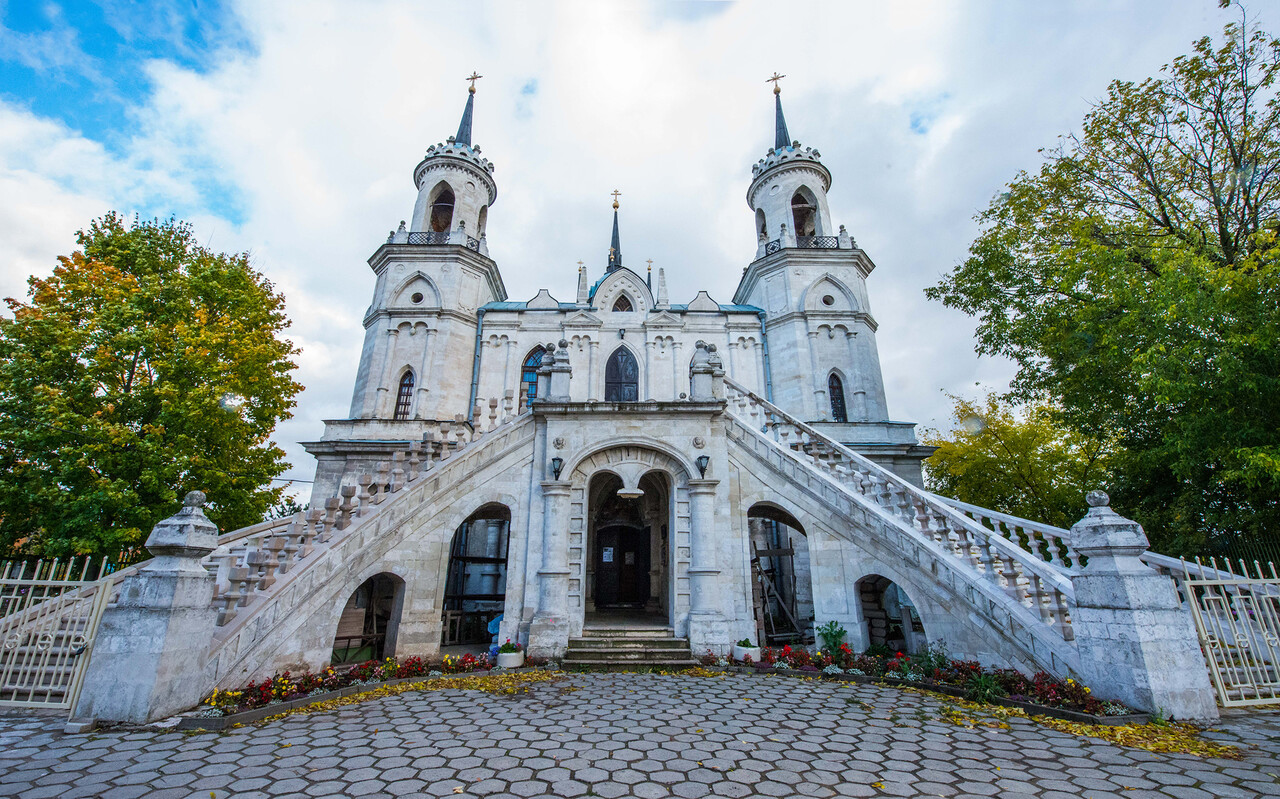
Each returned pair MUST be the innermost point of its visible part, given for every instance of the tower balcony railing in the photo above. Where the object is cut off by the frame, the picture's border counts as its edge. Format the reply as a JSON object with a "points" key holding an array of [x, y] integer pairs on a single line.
{"points": [[431, 238], [803, 243]]}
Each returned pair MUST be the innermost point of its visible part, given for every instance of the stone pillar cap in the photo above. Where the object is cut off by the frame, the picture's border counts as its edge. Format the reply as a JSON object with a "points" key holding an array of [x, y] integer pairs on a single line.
{"points": [[186, 534], [1103, 531]]}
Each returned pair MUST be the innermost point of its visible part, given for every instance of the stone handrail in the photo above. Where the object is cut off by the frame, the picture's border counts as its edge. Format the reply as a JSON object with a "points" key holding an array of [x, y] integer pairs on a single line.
{"points": [[249, 561], [1050, 544], [1042, 587]]}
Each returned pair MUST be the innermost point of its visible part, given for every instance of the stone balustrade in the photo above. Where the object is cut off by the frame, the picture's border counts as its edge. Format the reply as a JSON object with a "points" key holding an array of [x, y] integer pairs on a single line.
{"points": [[1026, 577]]}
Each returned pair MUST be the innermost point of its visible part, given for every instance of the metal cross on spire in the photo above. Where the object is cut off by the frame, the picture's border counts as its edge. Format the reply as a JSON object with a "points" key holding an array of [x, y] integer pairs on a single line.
{"points": [[616, 194], [774, 80], [473, 77]]}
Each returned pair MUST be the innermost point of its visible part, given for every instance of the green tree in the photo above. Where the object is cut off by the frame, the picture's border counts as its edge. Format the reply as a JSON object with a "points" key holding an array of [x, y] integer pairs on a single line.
{"points": [[144, 367], [1027, 464], [1134, 281]]}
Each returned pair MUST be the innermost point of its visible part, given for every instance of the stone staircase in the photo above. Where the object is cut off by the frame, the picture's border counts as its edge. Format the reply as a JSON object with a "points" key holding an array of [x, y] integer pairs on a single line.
{"points": [[625, 647]]}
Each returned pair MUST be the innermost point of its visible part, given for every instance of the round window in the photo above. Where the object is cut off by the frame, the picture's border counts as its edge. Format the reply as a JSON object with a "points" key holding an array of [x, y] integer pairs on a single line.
{"points": [[417, 297], [827, 299]]}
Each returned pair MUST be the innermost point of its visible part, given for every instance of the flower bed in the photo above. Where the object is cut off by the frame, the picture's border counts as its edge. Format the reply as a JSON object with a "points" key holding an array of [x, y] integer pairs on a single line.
{"points": [[287, 687], [932, 669]]}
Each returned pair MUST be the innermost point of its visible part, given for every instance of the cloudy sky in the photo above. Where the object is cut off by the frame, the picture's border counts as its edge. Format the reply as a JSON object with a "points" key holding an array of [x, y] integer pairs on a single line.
{"points": [[290, 130]]}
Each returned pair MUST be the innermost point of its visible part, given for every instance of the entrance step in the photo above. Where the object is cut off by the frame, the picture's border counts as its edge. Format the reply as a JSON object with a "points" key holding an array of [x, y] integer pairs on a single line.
{"points": [[628, 648]]}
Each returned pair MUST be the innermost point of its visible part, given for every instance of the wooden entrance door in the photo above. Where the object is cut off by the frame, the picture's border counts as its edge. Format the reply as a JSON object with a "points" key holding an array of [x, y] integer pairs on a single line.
{"points": [[622, 567]]}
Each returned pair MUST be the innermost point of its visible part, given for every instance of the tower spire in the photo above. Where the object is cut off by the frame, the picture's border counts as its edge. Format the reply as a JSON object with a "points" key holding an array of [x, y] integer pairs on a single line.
{"points": [[615, 246], [464, 127], [781, 138]]}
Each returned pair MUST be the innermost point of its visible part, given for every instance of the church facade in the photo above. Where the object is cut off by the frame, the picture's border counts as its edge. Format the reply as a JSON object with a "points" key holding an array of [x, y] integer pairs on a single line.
{"points": [[445, 348]]}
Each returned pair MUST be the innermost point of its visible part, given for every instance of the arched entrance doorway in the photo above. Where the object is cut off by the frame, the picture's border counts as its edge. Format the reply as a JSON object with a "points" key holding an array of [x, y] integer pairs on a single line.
{"points": [[892, 619], [782, 587], [476, 589], [367, 626], [628, 536]]}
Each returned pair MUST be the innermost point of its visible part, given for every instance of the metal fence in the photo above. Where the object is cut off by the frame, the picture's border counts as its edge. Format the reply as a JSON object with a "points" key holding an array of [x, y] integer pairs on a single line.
{"points": [[49, 615], [1236, 609]]}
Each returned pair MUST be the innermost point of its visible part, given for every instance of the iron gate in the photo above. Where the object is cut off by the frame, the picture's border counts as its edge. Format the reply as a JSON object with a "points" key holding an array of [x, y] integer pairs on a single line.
{"points": [[1237, 617], [49, 614]]}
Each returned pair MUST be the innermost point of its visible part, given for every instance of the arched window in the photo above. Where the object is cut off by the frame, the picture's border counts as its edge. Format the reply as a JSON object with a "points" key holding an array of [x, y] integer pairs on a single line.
{"points": [[622, 377], [804, 212], [483, 220], [404, 398], [761, 227], [836, 389], [442, 209], [623, 303], [529, 372]]}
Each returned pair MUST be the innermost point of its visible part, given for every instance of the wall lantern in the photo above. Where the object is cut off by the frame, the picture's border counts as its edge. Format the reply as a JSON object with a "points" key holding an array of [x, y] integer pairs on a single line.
{"points": [[703, 462], [556, 465], [622, 332]]}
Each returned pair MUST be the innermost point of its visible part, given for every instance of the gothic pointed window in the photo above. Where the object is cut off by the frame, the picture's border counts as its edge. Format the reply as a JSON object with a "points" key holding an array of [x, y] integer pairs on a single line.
{"points": [[622, 377], [761, 227], [804, 212], [835, 388], [529, 372], [442, 209], [622, 303], [404, 398]]}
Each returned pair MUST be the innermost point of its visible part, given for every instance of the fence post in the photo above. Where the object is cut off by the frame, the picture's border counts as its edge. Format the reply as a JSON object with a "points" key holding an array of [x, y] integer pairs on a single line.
{"points": [[1137, 642], [148, 659]]}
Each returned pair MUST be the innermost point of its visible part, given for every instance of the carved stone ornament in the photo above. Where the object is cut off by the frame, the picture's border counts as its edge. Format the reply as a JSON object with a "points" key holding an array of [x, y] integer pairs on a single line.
{"points": [[558, 443], [699, 442]]}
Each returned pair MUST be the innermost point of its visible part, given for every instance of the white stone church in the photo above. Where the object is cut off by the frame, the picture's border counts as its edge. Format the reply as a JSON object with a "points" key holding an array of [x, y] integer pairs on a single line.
{"points": [[615, 477]]}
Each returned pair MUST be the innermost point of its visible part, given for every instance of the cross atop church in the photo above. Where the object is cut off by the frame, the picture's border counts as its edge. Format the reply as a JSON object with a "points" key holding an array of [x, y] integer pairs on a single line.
{"points": [[473, 77], [774, 80], [616, 194]]}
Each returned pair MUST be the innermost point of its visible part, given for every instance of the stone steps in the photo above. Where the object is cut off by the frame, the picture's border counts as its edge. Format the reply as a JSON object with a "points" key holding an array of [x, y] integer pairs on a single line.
{"points": [[628, 647]]}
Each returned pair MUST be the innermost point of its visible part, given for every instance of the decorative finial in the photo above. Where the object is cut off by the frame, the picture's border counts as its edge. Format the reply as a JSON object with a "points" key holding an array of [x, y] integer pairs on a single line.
{"points": [[649, 261], [1097, 499], [473, 77], [193, 499], [581, 265], [774, 80], [616, 194]]}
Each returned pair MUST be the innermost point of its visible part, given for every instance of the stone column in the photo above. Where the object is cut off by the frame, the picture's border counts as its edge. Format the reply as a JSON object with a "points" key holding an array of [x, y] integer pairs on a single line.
{"points": [[592, 391], [821, 410], [648, 370], [381, 409], [424, 375], [549, 631], [700, 373], [707, 628], [676, 382], [561, 372], [1137, 642], [148, 659]]}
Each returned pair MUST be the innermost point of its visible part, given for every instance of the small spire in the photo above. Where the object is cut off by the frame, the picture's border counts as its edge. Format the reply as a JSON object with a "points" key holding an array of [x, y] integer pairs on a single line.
{"points": [[615, 246], [464, 127], [584, 293], [781, 138], [648, 279]]}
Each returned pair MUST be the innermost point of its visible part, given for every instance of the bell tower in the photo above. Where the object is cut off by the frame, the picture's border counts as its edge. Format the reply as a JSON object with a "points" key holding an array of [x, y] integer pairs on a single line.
{"points": [[432, 276], [809, 277]]}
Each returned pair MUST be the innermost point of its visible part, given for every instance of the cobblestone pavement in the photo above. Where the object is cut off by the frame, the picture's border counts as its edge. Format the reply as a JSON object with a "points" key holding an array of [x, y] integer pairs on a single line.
{"points": [[629, 735]]}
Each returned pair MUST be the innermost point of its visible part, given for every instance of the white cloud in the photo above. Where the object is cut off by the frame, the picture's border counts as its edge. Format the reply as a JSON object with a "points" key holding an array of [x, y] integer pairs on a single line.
{"points": [[313, 135]]}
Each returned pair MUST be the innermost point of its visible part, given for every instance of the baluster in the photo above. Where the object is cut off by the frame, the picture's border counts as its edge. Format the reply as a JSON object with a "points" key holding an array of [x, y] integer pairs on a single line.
{"points": [[383, 470], [460, 431], [414, 460], [332, 512], [523, 404], [1040, 600], [1064, 616], [307, 539], [1014, 582], [347, 509], [904, 504], [365, 497], [271, 550], [243, 579], [288, 547], [493, 412], [232, 597], [783, 431], [987, 558], [397, 471], [922, 515]]}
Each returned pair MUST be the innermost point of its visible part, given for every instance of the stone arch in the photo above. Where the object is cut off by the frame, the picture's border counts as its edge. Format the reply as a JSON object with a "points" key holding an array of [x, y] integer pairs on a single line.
{"points": [[415, 283], [891, 616], [843, 298], [623, 304], [632, 461], [440, 208], [837, 396], [806, 213], [762, 226], [781, 567], [367, 625], [405, 384], [475, 585], [482, 220]]}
